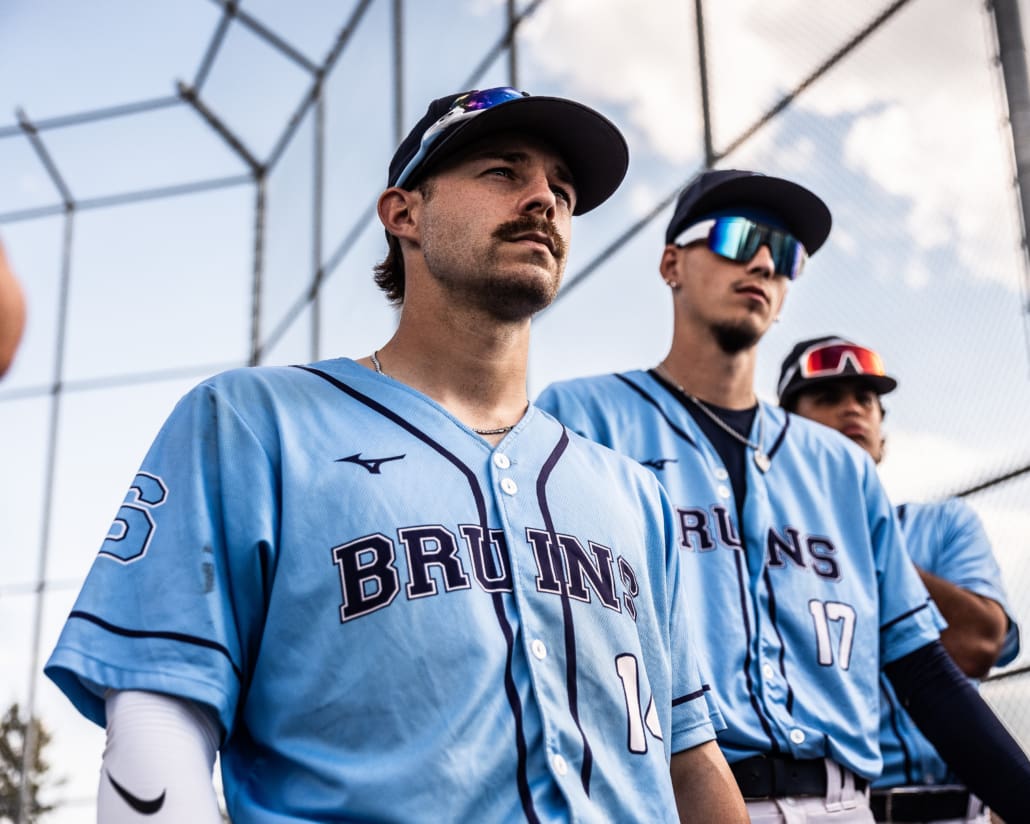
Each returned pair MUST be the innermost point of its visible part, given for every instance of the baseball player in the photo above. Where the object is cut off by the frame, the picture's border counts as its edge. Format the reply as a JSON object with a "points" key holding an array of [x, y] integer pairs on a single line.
{"points": [[389, 589], [840, 383], [792, 552]]}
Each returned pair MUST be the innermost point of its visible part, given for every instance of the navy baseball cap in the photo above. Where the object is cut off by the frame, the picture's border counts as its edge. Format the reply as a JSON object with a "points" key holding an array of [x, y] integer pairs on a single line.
{"points": [[590, 145], [831, 358], [802, 213]]}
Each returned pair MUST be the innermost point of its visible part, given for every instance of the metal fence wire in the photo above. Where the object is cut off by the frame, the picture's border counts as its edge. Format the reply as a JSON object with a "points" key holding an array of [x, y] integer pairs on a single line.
{"points": [[228, 219]]}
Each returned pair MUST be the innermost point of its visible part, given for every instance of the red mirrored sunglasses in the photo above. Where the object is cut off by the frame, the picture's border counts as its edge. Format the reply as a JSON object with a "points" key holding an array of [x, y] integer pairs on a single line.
{"points": [[832, 359]]}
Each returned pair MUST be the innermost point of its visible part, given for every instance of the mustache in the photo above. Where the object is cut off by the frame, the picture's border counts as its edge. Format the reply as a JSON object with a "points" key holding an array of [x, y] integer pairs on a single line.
{"points": [[514, 229]]}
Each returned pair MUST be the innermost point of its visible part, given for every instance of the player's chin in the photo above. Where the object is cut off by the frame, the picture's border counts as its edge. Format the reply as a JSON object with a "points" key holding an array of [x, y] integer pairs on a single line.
{"points": [[520, 295]]}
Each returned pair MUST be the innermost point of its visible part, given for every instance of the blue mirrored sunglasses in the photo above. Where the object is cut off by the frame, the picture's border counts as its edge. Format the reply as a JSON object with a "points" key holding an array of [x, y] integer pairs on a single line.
{"points": [[463, 108], [740, 238]]}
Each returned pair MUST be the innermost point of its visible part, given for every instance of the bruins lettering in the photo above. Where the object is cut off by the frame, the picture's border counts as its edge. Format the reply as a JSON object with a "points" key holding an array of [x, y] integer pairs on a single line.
{"points": [[370, 578], [701, 531]]}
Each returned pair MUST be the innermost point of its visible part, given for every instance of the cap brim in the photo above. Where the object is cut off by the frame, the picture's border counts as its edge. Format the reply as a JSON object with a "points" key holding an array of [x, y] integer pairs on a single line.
{"points": [[589, 144], [803, 212]]}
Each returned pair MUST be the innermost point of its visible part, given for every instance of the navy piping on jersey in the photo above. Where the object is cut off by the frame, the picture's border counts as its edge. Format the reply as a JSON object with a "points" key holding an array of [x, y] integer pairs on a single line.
{"points": [[751, 692], [647, 397], [571, 685], [783, 646], [897, 730], [691, 696], [511, 692], [904, 615], [780, 438], [170, 636], [741, 576]]}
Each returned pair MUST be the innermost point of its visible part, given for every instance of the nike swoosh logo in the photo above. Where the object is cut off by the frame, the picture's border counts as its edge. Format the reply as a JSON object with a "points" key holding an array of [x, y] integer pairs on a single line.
{"points": [[371, 464], [140, 805]]}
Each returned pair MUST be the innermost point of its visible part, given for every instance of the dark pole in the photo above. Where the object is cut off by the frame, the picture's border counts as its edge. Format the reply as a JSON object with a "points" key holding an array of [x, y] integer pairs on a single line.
{"points": [[1012, 56], [513, 63], [702, 63]]}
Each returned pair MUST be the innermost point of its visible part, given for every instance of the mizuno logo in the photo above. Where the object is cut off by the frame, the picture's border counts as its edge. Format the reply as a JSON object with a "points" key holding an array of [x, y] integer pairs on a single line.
{"points": [[140, 805], [659, 463], [371, 464]]}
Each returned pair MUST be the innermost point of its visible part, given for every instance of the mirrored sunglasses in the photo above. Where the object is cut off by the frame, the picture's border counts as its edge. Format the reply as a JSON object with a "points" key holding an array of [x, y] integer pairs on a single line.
{"points": [[463, 108], [828, 359], [740, 238]]}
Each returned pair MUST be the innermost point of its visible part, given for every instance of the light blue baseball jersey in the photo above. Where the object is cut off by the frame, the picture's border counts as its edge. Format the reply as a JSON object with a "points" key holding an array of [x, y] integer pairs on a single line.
{"points": [[804, 599], [392, 619], [947, 539]]}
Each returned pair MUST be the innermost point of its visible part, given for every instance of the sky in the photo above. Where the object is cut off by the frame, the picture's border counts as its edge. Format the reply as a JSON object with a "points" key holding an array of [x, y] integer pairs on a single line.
{"points": [[904, 138]]}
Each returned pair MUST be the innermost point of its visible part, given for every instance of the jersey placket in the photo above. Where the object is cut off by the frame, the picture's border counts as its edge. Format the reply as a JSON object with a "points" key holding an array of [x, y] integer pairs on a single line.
{"points": [[540, 631]]}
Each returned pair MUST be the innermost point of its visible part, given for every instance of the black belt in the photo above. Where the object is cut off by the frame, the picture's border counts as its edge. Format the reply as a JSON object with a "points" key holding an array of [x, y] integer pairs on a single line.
{"points": [[772, 776], [924, 804]]}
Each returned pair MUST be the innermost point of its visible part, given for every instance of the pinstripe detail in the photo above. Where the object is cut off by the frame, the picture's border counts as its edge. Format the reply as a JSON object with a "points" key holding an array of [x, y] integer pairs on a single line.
{"points": [[691, 696], [741, 574], [167, 635], [571, 684], [783, 647], [781, 436], [647, 397], [755, 705], [904, 615], [510, 690]]}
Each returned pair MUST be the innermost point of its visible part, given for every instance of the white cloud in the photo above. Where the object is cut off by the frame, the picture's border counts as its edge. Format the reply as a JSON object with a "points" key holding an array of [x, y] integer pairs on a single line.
{"points": [[925, 95], [640, 58]]}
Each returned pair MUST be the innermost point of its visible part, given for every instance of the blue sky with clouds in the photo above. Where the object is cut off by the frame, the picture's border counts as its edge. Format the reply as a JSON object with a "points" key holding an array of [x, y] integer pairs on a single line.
{"points": [[904, 138]]}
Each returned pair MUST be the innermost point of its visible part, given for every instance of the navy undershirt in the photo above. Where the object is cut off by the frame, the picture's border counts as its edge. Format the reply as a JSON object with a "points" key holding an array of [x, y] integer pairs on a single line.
{"points": [[733, 452]]}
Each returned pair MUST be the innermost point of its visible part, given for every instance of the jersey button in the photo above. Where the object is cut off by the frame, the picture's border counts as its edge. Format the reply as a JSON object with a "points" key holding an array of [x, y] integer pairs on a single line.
{"points": [[724, 491], [767, 671], [797, 736], [539, 648], [721, 474], [509, 486], [501, 461], [561, 766]]}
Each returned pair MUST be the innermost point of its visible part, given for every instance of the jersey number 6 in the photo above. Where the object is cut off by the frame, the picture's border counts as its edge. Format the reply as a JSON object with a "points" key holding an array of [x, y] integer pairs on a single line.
{"points": [[133, 526]]}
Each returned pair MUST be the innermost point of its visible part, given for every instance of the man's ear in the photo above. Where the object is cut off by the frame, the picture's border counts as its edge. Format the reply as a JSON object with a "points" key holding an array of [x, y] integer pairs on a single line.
{"points": [[396, 212], [668, 267]]}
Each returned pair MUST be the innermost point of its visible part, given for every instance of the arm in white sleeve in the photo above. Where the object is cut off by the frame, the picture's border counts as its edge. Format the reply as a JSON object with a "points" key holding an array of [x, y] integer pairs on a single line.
{"points": [[158, 761]]}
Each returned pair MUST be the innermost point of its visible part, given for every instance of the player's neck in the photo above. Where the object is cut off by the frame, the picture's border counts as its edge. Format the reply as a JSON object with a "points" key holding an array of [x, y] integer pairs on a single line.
{"points": [[477, 376], [703, 369]]}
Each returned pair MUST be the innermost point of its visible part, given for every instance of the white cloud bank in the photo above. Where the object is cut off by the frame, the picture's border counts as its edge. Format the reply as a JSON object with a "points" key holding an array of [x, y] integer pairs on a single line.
{"points": [[926, 98]]}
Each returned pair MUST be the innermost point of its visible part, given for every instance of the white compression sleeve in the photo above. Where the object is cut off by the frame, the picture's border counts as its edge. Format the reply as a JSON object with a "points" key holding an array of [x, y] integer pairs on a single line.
{"points": [[158, 761]]}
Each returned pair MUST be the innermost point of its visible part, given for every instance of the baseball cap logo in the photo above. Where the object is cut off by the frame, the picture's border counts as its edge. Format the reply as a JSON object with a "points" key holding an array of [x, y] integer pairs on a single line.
{"points": [[463, 108]]}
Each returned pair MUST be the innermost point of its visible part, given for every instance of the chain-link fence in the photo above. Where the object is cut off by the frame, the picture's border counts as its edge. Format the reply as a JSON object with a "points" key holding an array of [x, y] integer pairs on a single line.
{"points": [[216, 210]]}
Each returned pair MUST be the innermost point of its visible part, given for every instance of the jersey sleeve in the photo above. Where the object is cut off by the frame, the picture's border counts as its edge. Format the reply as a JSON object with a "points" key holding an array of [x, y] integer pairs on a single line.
{"points": [[562, 402], [966, 559], [174, 600], [909, 619]]}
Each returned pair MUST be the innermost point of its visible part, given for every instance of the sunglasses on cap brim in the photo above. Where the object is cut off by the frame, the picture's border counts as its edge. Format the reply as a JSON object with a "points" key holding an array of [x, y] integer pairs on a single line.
{"points": [[828, 359], [739, 239], [463, 108]]}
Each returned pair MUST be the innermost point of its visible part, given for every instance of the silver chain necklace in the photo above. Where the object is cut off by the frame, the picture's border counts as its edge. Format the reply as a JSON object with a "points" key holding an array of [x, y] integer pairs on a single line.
{"points": [[501, 430], [762, 461]]}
